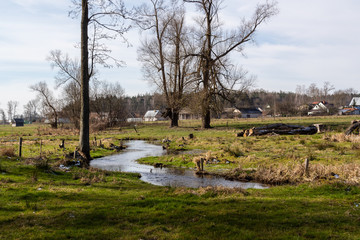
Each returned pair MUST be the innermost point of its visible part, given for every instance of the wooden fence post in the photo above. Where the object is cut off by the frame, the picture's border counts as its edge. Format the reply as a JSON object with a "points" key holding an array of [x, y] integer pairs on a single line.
{"points": [[20, 146], [40, 147], [306, 167]]}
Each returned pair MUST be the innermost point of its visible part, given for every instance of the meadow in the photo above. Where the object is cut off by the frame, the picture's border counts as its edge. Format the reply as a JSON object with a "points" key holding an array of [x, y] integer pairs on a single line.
{"points": [[40, 200]]}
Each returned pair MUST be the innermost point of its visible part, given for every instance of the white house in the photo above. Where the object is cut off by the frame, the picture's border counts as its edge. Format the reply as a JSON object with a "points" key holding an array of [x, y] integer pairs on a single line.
{"points": [[320, 108], [153, 115], [355, 102]]}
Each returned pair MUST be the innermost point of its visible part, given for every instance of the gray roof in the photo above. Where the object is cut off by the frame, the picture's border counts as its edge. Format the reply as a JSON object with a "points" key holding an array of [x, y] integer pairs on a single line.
{"points": [[151, 113], [250, 111]]}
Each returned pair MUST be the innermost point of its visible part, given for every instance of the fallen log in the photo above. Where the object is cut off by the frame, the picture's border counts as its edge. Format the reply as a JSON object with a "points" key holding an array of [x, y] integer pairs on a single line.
{"points": [[354, 126], [281, 129]]}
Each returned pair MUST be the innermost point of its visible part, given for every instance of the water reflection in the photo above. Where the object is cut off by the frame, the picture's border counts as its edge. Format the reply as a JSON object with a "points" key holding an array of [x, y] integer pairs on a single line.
{"points": [[174, 177]]}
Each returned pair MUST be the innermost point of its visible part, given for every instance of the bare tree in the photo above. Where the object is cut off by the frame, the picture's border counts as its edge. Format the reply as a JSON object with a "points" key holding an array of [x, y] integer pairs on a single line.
{"points": [[49, 103], [327, 88], [11, 109], [3, 116], [68, 69], [313, 92], [30, 110], [100, 20], [108, 102], [215, 45], [164, 55], [71, 102]]}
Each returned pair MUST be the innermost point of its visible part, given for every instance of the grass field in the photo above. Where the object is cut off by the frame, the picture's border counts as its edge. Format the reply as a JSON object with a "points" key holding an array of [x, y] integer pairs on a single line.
{"points": [[38, 200]]}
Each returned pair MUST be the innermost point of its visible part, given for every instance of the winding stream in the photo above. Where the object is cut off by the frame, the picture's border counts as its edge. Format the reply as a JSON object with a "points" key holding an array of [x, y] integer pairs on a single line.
{"points": [[174, 177]]}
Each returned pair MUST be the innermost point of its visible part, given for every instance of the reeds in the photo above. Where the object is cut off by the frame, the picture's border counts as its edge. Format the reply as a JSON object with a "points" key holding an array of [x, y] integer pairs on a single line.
{"points": [[295, 173]]}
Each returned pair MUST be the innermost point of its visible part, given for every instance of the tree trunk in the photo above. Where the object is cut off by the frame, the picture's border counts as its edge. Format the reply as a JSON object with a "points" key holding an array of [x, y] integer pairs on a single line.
{"points": [[84, 141], [281, 129], [174, 118], [206, 118]]}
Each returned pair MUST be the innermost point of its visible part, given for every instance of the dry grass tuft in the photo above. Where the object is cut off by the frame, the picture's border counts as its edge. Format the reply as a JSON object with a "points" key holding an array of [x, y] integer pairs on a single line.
{"points": [[295, 173], [7, 152], [341, 137]]}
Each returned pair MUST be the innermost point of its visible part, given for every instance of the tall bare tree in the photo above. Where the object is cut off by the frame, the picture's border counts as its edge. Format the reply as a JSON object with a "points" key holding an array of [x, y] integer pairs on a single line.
{"points": [[101, 20], [215, 45], [164, 55]]}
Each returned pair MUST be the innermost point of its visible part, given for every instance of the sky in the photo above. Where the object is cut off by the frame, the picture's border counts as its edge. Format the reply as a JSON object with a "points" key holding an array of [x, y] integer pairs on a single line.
{"points": [[309, 41]]}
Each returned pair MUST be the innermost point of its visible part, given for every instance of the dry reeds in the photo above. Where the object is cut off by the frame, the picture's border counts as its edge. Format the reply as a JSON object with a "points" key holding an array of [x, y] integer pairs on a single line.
{"points": [[7, 152], [341, 137], [295, 173]]}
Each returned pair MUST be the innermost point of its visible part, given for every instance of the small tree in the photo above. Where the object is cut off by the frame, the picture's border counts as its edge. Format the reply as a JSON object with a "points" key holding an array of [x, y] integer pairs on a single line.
{"points": [[48, 101]]}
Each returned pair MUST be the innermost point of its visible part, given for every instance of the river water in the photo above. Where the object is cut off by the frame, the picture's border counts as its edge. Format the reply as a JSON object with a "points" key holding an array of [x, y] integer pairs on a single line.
{"points": [[174, 177]]}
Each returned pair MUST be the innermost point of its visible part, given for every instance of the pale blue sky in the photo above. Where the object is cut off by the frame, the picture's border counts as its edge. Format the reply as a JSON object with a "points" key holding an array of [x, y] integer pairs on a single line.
{"points": [[309, 41]]}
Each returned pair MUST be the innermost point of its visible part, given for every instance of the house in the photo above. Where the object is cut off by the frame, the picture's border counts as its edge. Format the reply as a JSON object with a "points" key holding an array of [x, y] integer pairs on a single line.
{"points": [[230, 113], [349, 111], [355, 102], [134, 120], [186, 114], [17, 122], [250, 112], [153, 115], [320, 108]]}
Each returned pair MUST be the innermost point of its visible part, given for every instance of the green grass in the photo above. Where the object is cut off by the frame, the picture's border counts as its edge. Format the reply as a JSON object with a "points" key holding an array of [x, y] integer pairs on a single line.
{"points": [[61, 205], [40, 201]]}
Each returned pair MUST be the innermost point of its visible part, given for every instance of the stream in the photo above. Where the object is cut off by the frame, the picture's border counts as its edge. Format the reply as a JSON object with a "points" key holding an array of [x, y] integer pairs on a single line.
{"points": [[173, 177]]}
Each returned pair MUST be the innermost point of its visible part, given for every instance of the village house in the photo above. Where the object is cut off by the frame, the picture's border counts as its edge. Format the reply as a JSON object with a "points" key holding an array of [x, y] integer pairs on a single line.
{"points": [[320, 108], [186, 114], [153, 115], [250, 112], [230, 113], [352, 109], [355, 102]]}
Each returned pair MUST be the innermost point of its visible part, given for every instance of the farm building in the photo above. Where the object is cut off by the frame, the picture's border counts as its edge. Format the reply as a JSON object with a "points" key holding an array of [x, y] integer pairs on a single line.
{"points": [[17, 122], [250, 112], [349, 111], [153, 115]]}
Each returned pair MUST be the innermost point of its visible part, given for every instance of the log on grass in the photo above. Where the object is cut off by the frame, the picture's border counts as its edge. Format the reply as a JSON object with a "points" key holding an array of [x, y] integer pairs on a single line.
{"points": [[355, 125], [283, 129]]}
